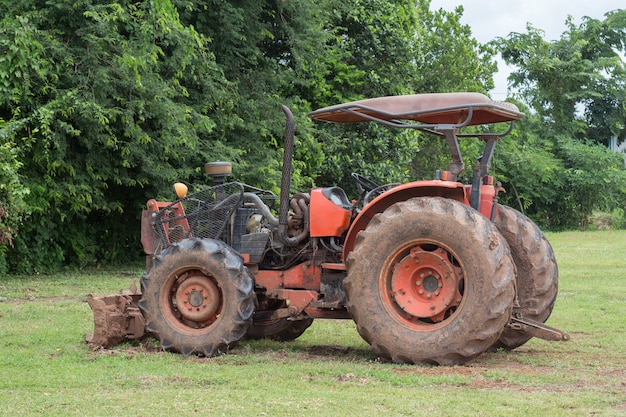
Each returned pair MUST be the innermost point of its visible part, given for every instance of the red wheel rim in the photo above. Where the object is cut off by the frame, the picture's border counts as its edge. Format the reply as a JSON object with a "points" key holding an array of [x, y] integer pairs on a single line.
{"points": [[424, 284], [195, 299]]}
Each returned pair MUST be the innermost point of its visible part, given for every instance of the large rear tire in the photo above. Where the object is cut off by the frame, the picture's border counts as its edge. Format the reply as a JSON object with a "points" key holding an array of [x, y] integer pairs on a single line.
{"points": [[537, 272], [197, 298], [431, 281], [280, 329], [283, 330]]}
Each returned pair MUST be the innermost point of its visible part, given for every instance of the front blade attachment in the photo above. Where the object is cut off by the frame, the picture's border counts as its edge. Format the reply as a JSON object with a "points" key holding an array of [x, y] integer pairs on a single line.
{"points": [[116, 318]]}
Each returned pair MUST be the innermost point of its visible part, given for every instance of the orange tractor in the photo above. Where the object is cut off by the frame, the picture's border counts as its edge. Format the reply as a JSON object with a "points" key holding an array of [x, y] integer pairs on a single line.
{"points": [[432, 271]]}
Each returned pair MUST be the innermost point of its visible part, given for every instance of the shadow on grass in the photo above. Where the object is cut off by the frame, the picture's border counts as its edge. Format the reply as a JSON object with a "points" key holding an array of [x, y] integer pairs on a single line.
{"points": [[253, 350], [303, 350]]}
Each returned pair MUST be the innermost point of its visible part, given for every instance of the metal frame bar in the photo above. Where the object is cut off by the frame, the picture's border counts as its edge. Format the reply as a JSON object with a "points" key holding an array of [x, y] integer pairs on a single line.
{"points": [[394, 120]]}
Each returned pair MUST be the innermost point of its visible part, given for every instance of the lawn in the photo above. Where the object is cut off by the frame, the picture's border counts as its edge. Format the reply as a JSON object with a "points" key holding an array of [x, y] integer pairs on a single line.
{"points": [[46, 368]]}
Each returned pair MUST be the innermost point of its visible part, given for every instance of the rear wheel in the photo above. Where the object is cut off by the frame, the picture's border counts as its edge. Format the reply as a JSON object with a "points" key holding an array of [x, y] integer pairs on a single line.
{"points": [[281, 329], [430, 281], [537, 272], [198, 297]]}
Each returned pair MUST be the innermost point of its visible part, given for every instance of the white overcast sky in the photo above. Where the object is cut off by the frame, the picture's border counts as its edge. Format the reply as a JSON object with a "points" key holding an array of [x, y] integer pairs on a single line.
{"points": [[490, 19]]}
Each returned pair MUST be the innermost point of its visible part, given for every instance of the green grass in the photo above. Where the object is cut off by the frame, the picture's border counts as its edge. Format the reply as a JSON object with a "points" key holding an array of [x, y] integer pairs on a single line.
{"points": [[46, 368]]}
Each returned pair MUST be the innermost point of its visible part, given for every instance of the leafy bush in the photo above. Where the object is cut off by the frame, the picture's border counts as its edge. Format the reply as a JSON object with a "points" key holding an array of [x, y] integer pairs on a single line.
{"points": [[104, 106], [107, 103], [618, 218], [12, 205], [614, 220], [557, 180]]}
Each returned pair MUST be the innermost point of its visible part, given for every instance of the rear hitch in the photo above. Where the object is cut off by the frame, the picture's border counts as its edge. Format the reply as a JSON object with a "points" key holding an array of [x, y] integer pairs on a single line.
{"points": [[538, 329], [116, 318]]}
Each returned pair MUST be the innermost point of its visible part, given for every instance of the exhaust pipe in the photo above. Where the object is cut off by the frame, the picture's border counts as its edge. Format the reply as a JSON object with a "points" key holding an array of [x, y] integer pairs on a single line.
{"points": [[285, 184]]}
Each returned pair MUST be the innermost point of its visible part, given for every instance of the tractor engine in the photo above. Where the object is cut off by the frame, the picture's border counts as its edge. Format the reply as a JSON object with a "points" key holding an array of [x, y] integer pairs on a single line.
{"points": [[242, 217], [316, 222]]}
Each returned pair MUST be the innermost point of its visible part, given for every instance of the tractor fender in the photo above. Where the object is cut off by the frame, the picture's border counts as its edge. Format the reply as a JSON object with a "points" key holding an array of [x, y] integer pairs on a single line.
{"points": [[427, 188]]}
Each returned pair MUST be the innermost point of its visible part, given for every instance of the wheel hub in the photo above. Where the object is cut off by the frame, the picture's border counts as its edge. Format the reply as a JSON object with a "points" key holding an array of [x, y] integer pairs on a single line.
{"points": [[431, 283], [198, 298], [424, 283]]}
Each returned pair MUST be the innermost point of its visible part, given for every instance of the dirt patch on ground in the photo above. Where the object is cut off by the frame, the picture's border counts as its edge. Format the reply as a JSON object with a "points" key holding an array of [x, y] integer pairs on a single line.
{"points": [[523, 370], [490, 371], [472, 371], [129, 350], [30, 296], [502, 371]]}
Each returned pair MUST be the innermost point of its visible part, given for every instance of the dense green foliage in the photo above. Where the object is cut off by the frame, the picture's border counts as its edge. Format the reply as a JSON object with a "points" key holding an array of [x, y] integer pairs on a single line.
{"points": [[559, 167], [395, 52], [104, 104], [11, 198]]}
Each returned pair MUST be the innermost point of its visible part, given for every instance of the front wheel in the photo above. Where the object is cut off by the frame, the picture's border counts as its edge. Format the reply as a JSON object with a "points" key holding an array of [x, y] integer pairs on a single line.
{"points": [[197, 297], [430, 281]]}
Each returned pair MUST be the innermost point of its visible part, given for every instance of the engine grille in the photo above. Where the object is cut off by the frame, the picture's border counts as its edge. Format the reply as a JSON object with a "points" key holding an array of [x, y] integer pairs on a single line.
{"points": [[204, 214]]}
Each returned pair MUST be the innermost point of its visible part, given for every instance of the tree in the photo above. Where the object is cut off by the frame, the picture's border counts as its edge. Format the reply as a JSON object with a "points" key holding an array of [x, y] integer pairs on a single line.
{"points": [[575, 83], [262, 48], [106, 104], [559, 169], [12, 193], [103, 103], [397, 48]]}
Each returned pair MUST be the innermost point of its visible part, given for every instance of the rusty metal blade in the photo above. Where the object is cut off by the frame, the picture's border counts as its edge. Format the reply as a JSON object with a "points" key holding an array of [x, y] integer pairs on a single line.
{"points": [[116, 318]]}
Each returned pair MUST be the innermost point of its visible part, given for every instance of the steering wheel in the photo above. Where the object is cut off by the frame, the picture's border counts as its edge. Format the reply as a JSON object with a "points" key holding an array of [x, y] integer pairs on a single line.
{"points": [[378, 191]]}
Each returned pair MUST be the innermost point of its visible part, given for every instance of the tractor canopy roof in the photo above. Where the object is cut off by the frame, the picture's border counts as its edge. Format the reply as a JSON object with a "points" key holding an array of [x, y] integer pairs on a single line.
{"points": [[429, 110]]}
